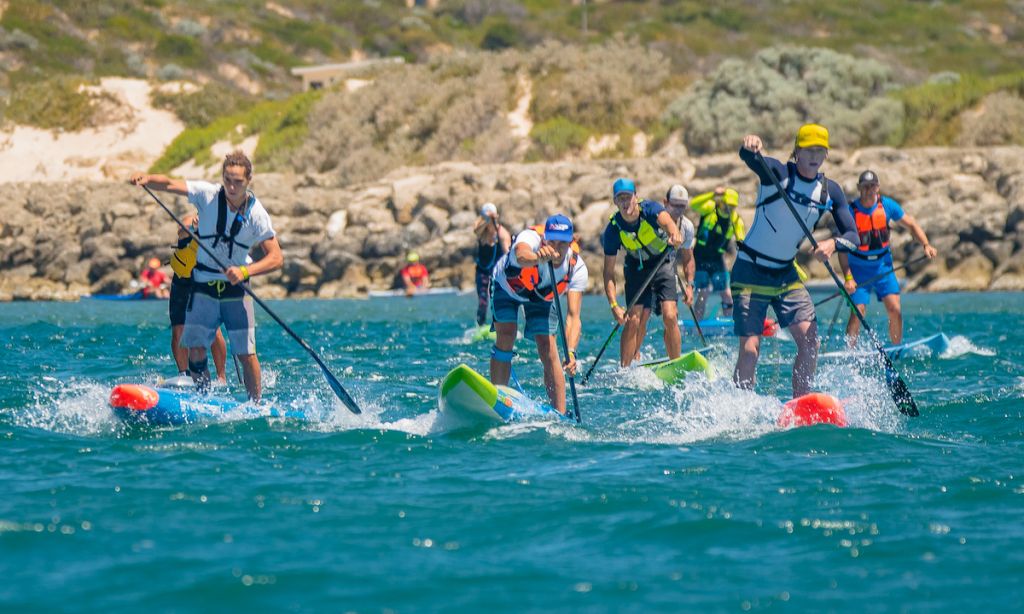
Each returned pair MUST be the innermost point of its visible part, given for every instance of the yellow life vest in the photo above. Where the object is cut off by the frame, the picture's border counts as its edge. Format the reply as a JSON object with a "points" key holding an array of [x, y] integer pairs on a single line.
{"points": [[183, 260], [643, 243]]}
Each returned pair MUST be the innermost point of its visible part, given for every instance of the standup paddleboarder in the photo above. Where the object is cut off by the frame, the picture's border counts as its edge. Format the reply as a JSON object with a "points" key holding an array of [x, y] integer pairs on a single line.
{"points": [[719, 226], [232, 222], [765, 272], [645, 230], [522, 279], [492, 242], [873, 213]]}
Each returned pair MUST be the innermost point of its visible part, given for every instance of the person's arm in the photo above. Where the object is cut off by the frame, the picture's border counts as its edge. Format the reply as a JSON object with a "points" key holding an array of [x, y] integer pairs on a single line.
{"points": [[669, 226], [908, 222], [426, 278], [189, 221], [848, 281], [271, 261], [687, 261], [752, 145], [573, 327], [162, 183], [703, 204], [740, 230], [846, 237], [505, 237]]}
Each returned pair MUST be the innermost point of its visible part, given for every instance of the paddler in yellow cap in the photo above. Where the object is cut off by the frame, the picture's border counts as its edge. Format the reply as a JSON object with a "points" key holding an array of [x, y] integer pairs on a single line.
{"points": [[765, 271]]}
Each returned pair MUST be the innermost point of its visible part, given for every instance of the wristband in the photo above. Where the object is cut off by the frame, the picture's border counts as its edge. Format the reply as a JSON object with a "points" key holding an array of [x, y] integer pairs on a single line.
{"points": [[614, 305], [572, 354], [849, 277], [245, 272]]}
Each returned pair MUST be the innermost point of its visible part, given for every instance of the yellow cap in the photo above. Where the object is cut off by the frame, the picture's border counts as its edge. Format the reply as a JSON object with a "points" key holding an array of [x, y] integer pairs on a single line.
{"points": [[154, 263], [812, 135], [412, 257], [731, 197]]}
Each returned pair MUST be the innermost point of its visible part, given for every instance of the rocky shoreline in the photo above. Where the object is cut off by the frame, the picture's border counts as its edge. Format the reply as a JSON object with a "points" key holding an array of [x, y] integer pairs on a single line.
{"points": [[59, 241]]}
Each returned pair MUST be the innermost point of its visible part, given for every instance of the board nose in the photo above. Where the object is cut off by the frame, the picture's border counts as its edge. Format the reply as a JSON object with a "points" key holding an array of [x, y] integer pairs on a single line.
{"points": [[133, 396]]}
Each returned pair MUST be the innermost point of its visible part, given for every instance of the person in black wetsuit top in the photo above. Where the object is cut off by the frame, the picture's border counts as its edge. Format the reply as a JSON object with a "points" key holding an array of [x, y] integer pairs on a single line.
{"points": [[492, 242]]}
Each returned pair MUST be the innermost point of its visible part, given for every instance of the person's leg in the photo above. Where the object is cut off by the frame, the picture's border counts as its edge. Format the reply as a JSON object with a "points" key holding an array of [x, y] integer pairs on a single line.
{"points": [[554, 378], [219, 350], [673, 337], [645, 317], [632, 335], [202, 319], [239, 318], [895, 313], [745, 373], [805, 334], [483, 295], [700, 299], [853, 325], [180, 353], [720, 282], [177, 306], [505, 315]]}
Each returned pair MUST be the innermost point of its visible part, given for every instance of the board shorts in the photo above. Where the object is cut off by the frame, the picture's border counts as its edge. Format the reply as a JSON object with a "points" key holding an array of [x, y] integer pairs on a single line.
{"points": [[755, 287], [177, 303], [714, 276], [541, 317], [863, 270], [662, 287], [216, 303]]}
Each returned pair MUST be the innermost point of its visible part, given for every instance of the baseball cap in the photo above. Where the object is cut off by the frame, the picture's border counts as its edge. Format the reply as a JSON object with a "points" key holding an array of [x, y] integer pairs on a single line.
{"points": [[488, 209], [412, 257], [867, 177], [558, 228], [623, 185], [812, 135], [677, 195]]}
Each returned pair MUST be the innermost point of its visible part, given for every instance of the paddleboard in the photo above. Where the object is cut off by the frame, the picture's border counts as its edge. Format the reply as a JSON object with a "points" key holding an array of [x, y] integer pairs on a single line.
{"points": [[135, 296], [721, 327], [468, 395], [673, 370], [813, 408], [141, 404], [484, 333], [420, 292], [931, 346]]}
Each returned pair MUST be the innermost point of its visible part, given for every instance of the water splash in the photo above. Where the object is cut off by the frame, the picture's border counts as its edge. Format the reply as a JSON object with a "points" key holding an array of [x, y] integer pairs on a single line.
{"points": [[959, 345]]}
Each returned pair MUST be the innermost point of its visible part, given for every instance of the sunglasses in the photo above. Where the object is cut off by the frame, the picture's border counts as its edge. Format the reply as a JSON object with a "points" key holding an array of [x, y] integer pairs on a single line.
{"points": [[623, 199]]}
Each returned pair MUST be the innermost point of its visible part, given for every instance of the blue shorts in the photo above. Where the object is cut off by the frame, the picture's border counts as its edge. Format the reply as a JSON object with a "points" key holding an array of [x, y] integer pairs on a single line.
{"points": [[718, 280], [864, 270], [541, 317]]}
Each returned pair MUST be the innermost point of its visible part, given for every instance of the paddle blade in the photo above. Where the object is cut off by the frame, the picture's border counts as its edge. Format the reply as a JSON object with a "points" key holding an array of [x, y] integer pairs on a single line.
{"points": [[349, 402], [898, 390]]}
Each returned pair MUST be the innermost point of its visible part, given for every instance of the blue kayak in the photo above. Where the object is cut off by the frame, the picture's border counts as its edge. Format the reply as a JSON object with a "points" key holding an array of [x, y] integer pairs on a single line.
{"points": [[140, 404], [135, 296]]}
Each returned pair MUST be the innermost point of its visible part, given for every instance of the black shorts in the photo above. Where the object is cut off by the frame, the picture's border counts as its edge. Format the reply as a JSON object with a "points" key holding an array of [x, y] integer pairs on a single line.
{"points": [[662, 287], [181, 290]]}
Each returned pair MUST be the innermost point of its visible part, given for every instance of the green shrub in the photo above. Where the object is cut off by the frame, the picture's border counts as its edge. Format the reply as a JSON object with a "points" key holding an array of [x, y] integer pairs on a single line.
{"points": [[180, 49], [557, 137], [501, 35], [933, 109], [782, 88], [57, 103], [997, 120], [202, 107]]}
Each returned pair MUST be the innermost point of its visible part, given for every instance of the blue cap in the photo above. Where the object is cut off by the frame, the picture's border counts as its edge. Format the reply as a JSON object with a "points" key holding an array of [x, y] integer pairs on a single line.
{"points": [[623, 185], [558, 228]]}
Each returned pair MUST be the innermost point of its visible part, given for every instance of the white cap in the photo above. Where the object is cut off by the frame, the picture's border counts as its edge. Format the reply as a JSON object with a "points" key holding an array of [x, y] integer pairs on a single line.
{"points": [[488, 209], [677, 194]]}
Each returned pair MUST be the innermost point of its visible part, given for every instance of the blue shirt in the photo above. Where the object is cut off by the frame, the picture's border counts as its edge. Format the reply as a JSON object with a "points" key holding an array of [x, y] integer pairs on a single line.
{"points": [[612, 242]]}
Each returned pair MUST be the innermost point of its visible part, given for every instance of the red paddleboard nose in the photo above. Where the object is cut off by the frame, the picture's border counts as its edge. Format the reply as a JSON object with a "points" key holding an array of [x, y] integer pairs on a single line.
{"points": [[770, 328], [133, 396], [813, 408]]}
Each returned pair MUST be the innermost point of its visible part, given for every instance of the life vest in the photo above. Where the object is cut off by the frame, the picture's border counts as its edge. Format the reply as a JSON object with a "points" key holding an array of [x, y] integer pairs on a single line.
{"points": [[416, 273], [775, 237], [184, 257], [642, 243], [524, 281], [713, 235], [487, 255], [222, 225], [873, 231]]}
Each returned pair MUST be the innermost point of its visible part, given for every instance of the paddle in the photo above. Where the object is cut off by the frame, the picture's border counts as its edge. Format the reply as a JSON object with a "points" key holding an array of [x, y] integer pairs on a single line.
{"points": [[875, 278], [565, 343], [661, 259], [897, 388], [333, 381], [693, 314]]}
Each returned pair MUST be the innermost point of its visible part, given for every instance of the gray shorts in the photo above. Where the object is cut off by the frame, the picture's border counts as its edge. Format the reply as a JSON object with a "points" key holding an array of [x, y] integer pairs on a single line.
{"points": [[754, 288], [206, 313]]}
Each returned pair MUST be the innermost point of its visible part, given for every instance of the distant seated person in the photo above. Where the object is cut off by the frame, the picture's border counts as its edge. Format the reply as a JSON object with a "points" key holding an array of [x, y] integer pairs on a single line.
{"points": [[154, 281], [414, 275]]}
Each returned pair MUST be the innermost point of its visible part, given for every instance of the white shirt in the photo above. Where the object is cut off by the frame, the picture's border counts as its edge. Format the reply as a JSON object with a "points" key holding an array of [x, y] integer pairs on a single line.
{"points": [[577, 283], [255, 229], [686, 229]]}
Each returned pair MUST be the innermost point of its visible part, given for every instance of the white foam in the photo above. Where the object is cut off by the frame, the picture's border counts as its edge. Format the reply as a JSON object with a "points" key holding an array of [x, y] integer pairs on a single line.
{"points": [[960, 345]]}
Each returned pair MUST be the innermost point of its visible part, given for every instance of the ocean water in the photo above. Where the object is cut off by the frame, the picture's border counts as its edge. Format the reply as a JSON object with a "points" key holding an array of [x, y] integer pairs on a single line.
{"points": [[684, 498]]}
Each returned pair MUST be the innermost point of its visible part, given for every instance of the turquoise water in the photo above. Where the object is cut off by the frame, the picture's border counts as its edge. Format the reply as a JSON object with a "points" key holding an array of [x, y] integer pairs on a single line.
{"points": [[667, 499]]}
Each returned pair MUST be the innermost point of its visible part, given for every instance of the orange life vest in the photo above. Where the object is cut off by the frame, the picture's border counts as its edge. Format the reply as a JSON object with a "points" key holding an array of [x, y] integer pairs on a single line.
{"points": [[872, 228], [523, 280], [416, 273]]}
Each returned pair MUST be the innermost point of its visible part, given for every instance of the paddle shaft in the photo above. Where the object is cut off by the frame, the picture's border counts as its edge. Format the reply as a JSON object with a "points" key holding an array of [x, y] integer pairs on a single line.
{"points": [[333, 381], [693, 314], [897, 388], [564, 340], [629, 305], [874, 279]]}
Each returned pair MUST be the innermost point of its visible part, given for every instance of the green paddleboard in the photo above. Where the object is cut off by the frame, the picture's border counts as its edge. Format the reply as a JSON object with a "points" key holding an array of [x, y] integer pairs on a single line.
{"points": [[674, 370]]}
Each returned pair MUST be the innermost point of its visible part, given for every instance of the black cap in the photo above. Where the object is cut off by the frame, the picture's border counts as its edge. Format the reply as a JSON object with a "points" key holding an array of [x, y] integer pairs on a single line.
{"points": [[867, 177]]}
